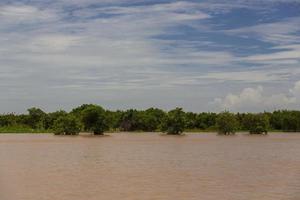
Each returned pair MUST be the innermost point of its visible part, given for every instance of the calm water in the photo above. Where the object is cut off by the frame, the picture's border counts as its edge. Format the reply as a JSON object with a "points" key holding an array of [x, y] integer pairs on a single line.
{"points": [[150, 167]]}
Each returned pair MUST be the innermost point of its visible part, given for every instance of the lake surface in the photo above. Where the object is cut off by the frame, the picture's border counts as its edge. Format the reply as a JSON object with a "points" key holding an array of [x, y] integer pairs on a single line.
{"points": [[150, 167]]}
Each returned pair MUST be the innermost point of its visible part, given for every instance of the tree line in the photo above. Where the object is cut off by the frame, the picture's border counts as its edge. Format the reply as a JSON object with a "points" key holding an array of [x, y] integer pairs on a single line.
{"points": [[95, 119]]}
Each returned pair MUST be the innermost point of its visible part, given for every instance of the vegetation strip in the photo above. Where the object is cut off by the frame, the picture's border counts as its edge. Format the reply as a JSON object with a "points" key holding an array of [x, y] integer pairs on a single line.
{"points": [[95, 119]]}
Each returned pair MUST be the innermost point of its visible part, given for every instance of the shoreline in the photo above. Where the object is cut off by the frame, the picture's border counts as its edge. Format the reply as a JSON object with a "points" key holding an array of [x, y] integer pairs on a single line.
{"points": [[142, 132]]}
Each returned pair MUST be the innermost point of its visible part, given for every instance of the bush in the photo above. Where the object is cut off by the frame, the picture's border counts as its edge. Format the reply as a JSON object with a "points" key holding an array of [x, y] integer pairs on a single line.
{"points": [[93, 118], [257, 123], [174, 122], [227, 123], [67, 125]]}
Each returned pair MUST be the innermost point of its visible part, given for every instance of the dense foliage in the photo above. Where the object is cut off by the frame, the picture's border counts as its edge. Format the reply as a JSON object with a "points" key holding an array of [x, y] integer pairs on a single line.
{"points": [[66, 125], [95, 119], [174, 122], [256, 124], [227, 123]]}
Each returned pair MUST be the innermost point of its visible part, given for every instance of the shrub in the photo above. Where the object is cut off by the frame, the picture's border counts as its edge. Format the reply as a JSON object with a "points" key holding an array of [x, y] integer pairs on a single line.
{"points": [[227, 123], [67, 125], [174, 122]]}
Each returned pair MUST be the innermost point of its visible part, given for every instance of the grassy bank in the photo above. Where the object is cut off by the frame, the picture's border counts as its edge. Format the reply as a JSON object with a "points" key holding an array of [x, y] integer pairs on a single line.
{"points": [[21, 129]]}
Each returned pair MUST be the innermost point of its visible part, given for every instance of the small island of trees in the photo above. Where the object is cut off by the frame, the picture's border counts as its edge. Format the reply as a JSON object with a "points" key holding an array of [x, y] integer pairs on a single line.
{"points": [[97, 120]]}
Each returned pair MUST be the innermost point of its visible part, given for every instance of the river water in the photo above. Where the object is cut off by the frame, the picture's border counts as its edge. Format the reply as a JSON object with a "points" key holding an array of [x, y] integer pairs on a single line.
{"points": [[150, 167]]}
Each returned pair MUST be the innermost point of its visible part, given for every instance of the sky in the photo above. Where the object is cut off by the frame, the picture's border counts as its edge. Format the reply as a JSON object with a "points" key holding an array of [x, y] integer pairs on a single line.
{"points": [[236, 55]]}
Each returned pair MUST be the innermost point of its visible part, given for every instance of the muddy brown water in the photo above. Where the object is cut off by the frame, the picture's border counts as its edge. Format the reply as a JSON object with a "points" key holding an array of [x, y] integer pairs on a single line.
{"points": [[150, 167]]}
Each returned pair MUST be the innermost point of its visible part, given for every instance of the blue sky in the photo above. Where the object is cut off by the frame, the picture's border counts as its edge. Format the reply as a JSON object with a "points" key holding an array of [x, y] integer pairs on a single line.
{"points": [[200, 55]]}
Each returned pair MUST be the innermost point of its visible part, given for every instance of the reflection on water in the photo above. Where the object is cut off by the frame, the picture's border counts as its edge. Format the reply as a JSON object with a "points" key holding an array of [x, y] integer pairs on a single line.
{"points": [[150, 166]]}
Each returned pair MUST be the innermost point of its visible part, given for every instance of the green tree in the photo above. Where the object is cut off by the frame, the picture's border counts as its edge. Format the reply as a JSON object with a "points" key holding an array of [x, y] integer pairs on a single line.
{"points": [[256, 123], [131, 120], [51, 117], [227, 123], [36, 118], [174, 122], [285, 120], [291, 121], [78, 110], [8, 120], [206, 120], [94, 119], [190, 120], [151, 119], [114, 119], [66, 125]]}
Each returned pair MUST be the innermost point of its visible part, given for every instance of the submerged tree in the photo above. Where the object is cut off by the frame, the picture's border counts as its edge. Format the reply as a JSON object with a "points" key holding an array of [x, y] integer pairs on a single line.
{"points": [[256, 123], [174, 122], [227, 123], [67, 125], [94, 119]]}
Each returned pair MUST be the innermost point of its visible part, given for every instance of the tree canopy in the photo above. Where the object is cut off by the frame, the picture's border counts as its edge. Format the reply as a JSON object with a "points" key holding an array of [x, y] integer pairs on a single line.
{"points": [[227, 123], [94, 118], [174, 122], [256, 123], [67, 125]]}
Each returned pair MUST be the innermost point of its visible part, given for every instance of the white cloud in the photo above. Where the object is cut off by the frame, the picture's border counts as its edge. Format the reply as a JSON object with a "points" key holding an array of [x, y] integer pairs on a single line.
{"points": [[15, 14], [257, 99]]}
